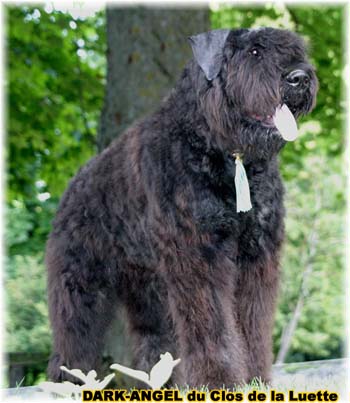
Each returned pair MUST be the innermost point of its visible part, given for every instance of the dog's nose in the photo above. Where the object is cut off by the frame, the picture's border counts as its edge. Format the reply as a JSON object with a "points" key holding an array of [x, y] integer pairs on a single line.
{"points": [[297, 78]]}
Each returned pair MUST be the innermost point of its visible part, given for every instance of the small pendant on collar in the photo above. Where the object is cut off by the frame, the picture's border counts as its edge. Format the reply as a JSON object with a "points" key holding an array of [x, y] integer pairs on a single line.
{"points": [[242, 185]]}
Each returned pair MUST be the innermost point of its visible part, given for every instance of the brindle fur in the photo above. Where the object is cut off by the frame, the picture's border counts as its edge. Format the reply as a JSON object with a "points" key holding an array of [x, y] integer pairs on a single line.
{"points": [[151, 224]]}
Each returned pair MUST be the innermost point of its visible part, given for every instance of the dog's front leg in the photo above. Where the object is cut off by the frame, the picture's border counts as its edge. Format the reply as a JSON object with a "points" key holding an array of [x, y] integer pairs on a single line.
{"points": [[256, 292], [200, 292]]}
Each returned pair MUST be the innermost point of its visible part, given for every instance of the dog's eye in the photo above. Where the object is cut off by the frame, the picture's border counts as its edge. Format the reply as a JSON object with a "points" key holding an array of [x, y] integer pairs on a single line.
{"points": [[254, 52]]}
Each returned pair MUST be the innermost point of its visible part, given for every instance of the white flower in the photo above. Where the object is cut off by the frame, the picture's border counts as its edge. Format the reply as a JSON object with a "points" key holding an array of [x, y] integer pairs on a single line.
{"points": [[159, 375], [70, 389]]}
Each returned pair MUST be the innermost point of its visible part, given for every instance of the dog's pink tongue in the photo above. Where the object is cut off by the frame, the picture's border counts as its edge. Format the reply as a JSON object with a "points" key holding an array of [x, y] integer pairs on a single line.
{"points": [[285, 123]]}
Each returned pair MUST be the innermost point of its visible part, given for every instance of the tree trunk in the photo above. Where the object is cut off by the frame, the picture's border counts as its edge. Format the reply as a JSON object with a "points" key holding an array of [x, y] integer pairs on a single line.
{"points": [[147, 49]]}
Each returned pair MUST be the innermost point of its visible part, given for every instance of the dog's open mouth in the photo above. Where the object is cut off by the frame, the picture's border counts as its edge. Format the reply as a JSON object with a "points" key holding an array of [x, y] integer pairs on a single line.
{"points": [[264, 120], [283, 119]]}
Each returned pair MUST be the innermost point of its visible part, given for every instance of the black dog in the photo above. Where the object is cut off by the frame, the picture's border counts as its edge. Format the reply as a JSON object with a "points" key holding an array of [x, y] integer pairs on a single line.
{"points": [[152, 223]]}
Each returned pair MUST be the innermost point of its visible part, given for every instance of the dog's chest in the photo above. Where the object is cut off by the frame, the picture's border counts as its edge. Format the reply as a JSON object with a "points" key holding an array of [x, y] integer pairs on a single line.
{"points": [[253, 230], [212, 176]]}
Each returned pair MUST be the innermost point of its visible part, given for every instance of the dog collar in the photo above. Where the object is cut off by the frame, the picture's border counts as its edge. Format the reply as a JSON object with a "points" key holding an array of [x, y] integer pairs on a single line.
{"points": [[243, 202]]}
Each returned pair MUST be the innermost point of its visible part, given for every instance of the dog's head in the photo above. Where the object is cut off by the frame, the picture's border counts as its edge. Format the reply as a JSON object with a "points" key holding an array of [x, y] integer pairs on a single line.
{"points": [[245, 76]]}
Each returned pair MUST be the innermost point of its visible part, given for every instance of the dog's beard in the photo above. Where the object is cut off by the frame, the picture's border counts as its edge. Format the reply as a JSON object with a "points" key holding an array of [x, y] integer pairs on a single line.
{"points": [[257, 141], [262, 136]]}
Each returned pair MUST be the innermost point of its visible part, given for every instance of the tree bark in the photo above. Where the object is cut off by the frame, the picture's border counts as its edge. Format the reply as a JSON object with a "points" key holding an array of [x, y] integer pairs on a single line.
{"points": [[146, 51]]}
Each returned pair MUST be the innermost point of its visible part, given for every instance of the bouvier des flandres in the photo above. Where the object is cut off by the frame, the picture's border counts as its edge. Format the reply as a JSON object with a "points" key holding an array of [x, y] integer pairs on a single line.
{"points": [[153, 222]]}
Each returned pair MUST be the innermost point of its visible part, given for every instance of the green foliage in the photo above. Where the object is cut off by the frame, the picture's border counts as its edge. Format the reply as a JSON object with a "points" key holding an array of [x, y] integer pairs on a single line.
{"points": [[28, 225], [314, 176], [27, 317], [315, 243], [55, 86]]}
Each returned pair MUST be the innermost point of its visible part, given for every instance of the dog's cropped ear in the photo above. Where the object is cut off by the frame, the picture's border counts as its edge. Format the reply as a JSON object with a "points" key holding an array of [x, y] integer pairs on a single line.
{"points": [[207, 50]]}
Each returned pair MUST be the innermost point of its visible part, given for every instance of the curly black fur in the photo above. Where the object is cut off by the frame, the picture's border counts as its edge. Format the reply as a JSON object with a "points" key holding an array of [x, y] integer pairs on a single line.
{"points": [[151, 223]]}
